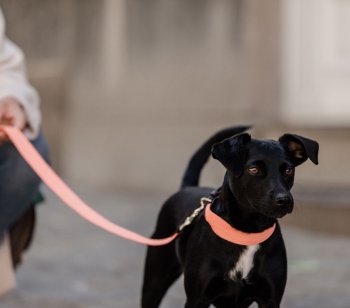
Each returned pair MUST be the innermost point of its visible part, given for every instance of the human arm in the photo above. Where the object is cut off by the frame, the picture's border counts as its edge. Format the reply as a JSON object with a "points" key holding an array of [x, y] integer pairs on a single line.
{"points": [[19, 102]]}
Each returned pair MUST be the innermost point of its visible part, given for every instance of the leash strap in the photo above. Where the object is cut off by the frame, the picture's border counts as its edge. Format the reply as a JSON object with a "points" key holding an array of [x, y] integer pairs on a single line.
{"points": [[62, 191]]}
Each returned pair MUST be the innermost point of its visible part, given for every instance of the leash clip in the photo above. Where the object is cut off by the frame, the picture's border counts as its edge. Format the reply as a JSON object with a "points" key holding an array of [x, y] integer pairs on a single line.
{"points": [[189, 219]]}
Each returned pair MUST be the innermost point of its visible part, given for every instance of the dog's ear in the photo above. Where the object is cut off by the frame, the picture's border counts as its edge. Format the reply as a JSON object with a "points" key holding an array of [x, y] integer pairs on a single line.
{"points": [[232, 153], [300, 148]]}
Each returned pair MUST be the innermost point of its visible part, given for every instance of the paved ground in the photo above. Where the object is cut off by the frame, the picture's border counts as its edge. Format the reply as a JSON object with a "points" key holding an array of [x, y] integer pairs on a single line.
{"points": [[75, 265]]}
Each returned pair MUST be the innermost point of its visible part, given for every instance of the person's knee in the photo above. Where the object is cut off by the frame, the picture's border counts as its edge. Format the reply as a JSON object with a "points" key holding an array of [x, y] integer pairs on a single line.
{"points": [[15, 170], [7, 152]]}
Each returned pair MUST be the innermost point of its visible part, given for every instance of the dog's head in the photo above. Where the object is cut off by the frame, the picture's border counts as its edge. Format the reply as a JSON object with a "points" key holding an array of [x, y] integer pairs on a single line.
{"points": [[261, 172]]}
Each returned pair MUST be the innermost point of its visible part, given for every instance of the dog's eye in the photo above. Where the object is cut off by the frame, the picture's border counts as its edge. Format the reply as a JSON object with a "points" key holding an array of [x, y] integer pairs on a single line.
{"points": [[289, 171], [254, 170]]}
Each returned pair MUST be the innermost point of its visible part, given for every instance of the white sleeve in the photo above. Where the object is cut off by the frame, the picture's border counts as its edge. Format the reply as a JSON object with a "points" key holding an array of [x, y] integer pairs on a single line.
{"points": [[14, 83]]}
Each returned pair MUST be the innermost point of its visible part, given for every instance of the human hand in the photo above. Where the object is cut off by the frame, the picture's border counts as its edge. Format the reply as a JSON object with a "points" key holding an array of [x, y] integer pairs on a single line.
{"points": [[11, 113]]}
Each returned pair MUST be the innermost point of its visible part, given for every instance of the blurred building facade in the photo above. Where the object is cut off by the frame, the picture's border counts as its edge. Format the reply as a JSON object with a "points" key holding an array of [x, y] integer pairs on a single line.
{"points": [[130, 88]]}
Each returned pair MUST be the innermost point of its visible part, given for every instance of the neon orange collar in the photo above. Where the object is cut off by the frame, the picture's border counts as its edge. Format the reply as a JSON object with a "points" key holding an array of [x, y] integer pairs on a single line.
{"points": [[224, 230]]}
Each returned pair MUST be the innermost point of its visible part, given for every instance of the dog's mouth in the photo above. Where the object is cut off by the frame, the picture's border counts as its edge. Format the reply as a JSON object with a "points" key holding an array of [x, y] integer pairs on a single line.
{"points": [[280, 212], [278, 215], [275, 212]]}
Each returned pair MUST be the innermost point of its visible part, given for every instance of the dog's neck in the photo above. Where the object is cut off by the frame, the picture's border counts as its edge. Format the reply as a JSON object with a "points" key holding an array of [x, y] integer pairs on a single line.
{"points": [[227, 206]]}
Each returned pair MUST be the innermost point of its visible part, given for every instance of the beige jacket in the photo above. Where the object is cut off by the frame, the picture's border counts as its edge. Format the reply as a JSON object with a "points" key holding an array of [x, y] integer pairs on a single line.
{"points": [[14, 83]]}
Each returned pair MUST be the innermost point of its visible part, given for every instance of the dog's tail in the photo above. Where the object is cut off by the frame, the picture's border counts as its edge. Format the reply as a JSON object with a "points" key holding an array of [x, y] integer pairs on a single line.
{"points": [[200, 157]]}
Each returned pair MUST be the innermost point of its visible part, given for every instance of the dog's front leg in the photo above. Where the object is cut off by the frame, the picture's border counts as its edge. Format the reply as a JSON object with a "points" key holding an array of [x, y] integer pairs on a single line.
{"points": [[197, 304], [195, 295], [268, 305], [200, 286]]}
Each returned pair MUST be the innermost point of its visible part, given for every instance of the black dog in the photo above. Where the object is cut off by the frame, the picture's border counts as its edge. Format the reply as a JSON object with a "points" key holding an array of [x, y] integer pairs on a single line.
{"points": [[255, 192]]}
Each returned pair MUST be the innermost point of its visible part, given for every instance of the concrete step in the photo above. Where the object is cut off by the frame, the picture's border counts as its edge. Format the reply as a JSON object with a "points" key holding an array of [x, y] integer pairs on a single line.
{"points": [[325, 210]]}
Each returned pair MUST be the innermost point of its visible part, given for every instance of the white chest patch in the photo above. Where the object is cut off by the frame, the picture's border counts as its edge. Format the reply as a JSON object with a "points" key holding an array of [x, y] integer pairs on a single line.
{"points": [[244, 264]]}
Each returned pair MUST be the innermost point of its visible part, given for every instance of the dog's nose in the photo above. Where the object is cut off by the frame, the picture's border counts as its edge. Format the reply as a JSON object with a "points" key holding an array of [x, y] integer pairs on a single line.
{"points": [[283, 199]]}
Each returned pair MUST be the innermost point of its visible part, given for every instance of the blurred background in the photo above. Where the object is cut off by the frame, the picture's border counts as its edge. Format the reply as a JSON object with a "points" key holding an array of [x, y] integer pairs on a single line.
{"points": [[130, 88]]}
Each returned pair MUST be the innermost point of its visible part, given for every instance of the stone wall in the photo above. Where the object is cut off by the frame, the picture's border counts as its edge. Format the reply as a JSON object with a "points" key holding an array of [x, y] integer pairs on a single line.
{"points": [[156, 78], [131, 88]]}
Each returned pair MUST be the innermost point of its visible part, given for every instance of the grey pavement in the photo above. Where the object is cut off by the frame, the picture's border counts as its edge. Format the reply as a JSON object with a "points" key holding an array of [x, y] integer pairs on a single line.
{"points": [[73, 264]]}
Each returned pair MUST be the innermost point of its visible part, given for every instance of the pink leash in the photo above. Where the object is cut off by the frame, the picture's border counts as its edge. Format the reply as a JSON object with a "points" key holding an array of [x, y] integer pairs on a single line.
{"points": [[62, 191], [55, 183]]}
